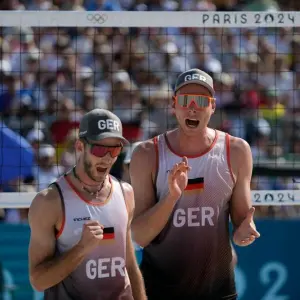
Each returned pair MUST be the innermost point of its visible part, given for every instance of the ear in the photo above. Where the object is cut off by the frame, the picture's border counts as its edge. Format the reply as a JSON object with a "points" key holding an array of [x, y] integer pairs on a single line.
{"points": [[213, 105], [79, 146], [173, 101], [173, 106]]}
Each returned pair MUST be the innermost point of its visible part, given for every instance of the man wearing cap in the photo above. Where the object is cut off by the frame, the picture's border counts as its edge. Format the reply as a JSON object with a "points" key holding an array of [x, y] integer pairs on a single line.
{"points": [[188, 182], [80, 244]]}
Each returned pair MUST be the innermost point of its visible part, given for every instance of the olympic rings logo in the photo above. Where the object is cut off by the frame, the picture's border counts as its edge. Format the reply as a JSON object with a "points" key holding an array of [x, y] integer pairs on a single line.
{"points": [[97, 18]]}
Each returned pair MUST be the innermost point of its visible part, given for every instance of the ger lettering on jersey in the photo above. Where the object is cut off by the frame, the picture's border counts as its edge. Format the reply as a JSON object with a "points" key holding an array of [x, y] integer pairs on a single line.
{"points": [[199, 262], [102, 274]]}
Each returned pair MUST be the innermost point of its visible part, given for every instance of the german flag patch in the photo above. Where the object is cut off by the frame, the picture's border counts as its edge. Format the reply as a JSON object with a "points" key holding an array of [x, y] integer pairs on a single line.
{"points": [[195, 185], [108, 233]]}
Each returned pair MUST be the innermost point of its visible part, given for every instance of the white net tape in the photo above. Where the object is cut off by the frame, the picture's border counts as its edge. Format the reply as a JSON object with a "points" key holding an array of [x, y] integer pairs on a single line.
{"points": [[259, 198], [241, 19]]}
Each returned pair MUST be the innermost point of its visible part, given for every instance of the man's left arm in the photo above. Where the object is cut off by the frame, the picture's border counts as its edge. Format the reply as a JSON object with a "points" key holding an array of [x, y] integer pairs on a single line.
{"points": [[241, 209], [134, 273]]}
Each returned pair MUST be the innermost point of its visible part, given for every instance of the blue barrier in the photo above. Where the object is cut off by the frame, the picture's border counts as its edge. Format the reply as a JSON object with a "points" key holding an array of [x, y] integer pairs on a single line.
{"points": [[267, 270]]}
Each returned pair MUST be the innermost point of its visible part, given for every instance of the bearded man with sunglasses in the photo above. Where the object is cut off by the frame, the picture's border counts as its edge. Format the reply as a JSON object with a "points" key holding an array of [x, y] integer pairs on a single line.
{"points": [[188, 182], [80, 244]]}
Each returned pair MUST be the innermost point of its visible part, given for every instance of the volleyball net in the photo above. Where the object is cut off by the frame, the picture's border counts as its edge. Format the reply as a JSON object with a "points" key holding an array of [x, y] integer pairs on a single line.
{"points": [[55, 65]]}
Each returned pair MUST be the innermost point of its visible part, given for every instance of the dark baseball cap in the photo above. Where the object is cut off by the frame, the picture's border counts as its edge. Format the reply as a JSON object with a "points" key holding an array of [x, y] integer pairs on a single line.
{"points": [[195, 76], [99, 124]]}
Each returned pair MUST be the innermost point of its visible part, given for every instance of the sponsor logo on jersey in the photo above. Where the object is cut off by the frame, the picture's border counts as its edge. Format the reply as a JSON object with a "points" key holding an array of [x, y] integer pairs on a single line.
{"points": [[79, 219]]}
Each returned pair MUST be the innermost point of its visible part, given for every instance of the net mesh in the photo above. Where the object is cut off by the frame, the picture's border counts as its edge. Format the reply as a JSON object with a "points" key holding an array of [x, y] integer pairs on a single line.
{"points": [[55, 66]]}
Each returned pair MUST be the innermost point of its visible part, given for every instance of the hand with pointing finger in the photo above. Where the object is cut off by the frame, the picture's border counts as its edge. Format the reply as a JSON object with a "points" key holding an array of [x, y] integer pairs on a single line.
{"points": [[178, 178], [246, 233]]}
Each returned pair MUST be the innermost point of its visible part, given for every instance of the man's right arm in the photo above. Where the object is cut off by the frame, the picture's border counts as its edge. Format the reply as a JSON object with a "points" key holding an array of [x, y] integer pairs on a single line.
{"points": [[46, 270], [150, 217]]}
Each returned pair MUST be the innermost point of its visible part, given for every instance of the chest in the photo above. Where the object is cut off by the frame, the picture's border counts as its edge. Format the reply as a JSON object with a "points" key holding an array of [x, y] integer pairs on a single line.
{"points": [[209, 185], [113, 216]]}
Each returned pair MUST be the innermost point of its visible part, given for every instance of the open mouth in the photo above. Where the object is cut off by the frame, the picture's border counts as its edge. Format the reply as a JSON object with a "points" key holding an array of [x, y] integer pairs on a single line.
{"points": [[101, 170], [191, 123]]}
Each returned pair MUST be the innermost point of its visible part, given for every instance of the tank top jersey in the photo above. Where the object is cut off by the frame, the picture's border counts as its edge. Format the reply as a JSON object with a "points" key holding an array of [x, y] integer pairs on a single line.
{"points": [[102, 275], [193, 255]]}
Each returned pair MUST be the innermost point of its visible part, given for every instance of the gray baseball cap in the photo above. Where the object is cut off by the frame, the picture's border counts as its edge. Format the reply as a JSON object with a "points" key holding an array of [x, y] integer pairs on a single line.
{"points": [[99, 124], [195, 76]]}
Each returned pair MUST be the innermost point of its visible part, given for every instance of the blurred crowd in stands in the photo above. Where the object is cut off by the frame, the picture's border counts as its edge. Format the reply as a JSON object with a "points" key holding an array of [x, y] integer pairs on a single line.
{"points": [[50, 76]]}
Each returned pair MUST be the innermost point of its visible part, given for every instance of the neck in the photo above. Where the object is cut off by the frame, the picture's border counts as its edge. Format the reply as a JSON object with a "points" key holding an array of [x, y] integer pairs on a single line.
{"points": [[192, 145], [84, 180]]}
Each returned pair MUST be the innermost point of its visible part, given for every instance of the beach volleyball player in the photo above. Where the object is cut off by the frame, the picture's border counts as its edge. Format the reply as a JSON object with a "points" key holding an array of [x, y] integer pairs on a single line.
{"points": [[188, 183], [80, 244]]}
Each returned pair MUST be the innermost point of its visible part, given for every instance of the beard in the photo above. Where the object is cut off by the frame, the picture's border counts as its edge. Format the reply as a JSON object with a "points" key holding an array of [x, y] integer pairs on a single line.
{"points": [[88, 169]]}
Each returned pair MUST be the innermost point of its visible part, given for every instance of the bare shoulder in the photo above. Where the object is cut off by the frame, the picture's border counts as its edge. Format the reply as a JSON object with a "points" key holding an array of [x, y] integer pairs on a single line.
{"points": [[44, 217], [239, 148], [144, 159], [45, 207], [144, 151], [240, 156], [129, 197], [143, 169]]}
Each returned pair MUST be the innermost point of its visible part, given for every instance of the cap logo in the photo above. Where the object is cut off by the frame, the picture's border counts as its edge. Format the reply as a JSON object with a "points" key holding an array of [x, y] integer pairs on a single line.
{"points": [[82, 133], [194, 77], [109, 124]]}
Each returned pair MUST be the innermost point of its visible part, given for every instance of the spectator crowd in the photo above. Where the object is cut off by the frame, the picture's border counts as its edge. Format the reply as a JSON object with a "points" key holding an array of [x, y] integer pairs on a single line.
{"points": [[49, 77]]}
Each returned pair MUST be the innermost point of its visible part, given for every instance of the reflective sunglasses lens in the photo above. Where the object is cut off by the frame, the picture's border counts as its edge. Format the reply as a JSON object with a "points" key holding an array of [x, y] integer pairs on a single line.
{"points": [[99, 151], [202, 101], [114, 152], [187, 100]]}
